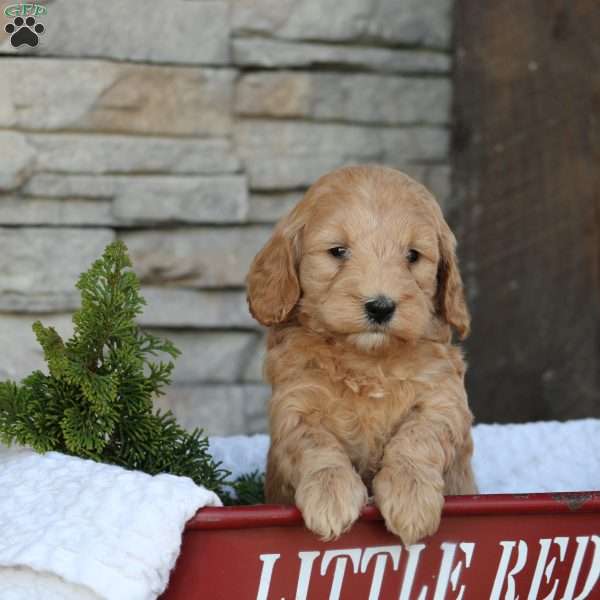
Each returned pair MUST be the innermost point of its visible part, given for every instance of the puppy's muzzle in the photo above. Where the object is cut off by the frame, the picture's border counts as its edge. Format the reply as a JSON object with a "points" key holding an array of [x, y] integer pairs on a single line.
{"points": [[380, 309]]}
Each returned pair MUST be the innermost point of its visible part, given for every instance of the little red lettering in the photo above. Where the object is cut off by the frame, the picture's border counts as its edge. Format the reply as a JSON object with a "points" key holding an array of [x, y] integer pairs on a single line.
{"points": [[268, 562], [382, 553], [594, 573], [501, 573], [545, 568], [342, 564], [446, 576], [341, 560]]}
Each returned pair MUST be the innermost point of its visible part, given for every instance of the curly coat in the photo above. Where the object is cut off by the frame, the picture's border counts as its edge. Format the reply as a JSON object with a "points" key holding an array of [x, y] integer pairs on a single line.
{"points": [[360, 407]]}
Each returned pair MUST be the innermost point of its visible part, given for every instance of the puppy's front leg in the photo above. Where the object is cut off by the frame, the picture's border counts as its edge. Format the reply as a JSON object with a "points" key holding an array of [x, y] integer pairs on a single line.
{"points": [[409, 487], [311, 463]]}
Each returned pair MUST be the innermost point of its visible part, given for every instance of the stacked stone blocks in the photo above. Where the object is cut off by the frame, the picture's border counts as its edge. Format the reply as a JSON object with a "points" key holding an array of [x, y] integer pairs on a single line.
{"points": [[187, 132]]}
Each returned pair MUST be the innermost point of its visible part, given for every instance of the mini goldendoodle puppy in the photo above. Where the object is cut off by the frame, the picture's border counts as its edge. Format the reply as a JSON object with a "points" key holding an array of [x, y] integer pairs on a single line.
{"points": [[360, 288]]}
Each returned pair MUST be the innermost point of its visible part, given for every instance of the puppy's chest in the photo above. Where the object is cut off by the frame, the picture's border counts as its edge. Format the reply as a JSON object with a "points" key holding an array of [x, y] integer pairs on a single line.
{"points": [[367, 410]]}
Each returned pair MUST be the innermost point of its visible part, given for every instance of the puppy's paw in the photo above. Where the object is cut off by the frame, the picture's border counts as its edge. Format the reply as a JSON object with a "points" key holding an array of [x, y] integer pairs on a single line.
{"points": [[331, 500], [411, 508]]}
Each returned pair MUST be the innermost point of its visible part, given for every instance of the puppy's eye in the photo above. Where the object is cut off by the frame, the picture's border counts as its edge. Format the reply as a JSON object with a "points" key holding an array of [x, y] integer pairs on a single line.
{"points": [[339, 252], [412, 256]]}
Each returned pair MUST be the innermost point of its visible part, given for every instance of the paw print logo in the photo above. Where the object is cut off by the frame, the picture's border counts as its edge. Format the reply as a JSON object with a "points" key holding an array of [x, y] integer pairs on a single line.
{"points": [[24, 31]]}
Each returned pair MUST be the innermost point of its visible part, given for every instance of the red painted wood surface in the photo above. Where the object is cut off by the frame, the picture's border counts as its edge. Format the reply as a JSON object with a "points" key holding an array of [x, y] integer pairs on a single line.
{"points": [[534, 546]]}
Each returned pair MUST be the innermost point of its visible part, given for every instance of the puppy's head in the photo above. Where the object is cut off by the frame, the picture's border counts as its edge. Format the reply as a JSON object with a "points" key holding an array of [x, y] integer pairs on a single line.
{"points": [[367, 256]]}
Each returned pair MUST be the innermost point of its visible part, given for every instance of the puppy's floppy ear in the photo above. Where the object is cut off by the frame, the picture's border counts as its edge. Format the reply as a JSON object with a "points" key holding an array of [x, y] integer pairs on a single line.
{"points": [[451, 304], [273, 288]]}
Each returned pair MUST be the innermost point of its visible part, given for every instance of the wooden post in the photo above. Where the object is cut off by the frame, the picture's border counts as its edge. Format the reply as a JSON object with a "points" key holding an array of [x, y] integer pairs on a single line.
{"points": [[526, 159]]}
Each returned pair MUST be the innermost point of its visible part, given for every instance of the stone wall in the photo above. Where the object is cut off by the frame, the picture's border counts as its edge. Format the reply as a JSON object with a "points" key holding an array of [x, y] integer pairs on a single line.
{"points": [[187, 128]]}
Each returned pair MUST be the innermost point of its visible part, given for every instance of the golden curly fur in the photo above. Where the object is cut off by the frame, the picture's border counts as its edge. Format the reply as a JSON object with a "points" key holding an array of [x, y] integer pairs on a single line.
{"points": [[360, 406]]}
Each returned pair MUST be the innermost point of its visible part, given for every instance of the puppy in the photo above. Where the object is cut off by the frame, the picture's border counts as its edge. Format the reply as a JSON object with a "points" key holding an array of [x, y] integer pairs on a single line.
{"points": [[360, 289]]}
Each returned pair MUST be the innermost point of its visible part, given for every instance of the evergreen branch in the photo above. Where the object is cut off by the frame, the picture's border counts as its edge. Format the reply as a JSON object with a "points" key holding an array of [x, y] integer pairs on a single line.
{"points": [[97, 400], [246, 489]]}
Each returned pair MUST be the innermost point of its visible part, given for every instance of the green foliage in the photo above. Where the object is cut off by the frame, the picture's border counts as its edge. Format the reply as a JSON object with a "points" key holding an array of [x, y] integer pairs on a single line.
{"points": [[96, 400], [247, 489]]}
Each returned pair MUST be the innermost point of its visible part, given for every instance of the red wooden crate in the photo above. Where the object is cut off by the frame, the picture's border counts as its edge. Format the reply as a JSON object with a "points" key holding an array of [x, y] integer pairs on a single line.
{"points": [[534, 546]]}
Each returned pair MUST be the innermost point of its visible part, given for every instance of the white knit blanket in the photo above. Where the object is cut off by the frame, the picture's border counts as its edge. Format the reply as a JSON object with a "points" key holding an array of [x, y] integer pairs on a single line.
{"points": [[72, 529], [76, 529], [532, 457]]}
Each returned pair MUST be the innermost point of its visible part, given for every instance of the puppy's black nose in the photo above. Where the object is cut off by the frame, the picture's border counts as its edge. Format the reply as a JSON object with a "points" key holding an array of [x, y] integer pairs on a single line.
{"points": [[380, 309]]}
